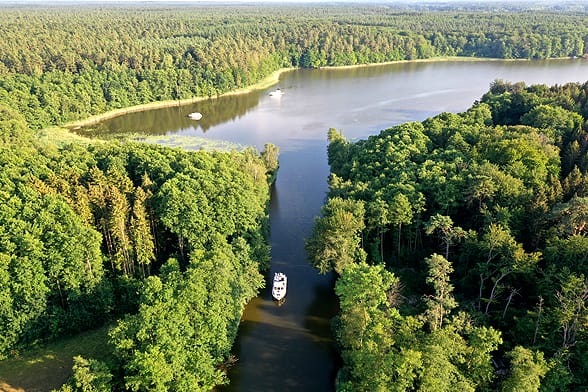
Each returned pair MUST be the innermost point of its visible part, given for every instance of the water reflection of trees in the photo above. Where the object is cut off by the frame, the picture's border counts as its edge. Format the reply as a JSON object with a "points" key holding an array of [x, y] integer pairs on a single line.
{"points": [[173, 119]]}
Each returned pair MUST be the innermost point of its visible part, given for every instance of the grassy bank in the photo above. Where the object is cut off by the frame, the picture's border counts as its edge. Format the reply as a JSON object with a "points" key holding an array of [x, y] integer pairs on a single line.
{"points": [[61, 136], [48, 367]]}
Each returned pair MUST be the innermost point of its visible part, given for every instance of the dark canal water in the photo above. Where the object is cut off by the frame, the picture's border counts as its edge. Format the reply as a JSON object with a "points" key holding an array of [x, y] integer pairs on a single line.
{"points": [[290, 348]]}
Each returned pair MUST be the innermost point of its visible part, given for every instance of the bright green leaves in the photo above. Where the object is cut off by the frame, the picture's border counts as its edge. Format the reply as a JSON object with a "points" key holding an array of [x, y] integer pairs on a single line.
{"points": [[439, 304], [443, 226], [527, 369], [335, 242], [185, 208], [366, 329], [69, 213], [499, 256], [214, 207], [187, 321], [385, 351], [50, 261], [195, 204], [498, 185], [571, 312], [337, 151], [90, 375], [140, 231], [269, 157]]}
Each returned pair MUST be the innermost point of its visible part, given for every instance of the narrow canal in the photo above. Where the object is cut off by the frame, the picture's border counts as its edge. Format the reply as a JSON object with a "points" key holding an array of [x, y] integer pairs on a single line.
{"points": [[290, 347]]}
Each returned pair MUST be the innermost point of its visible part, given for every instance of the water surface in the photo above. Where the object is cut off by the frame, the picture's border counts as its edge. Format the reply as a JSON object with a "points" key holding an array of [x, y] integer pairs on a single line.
{"points": [[289, 347]]}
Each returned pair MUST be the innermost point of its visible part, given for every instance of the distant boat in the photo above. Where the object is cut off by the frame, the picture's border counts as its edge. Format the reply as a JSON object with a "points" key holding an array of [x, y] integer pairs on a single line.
{"points": [[276, 93], [279, 287], [195, 116]]}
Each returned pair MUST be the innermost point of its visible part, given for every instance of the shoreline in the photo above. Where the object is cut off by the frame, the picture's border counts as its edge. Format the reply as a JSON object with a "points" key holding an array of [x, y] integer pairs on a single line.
{"points": [[442, 59], [266, 82], [429, 60]]}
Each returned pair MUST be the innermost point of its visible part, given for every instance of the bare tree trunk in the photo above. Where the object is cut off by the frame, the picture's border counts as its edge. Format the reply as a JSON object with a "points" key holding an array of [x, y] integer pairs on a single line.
{"points": [[382, 245], [482, 280], [493, 292], [181, 245], [60, 294], [513, 292], [538, 319]]}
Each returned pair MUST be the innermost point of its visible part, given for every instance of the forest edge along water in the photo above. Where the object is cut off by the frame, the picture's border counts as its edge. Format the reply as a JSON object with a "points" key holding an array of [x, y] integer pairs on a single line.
{"points": [[261, 85], [290, 347], [167, 244]]}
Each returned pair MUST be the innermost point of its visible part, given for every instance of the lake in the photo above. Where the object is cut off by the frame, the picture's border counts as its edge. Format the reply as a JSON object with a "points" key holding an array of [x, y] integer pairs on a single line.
{"points": [[290, 347]]}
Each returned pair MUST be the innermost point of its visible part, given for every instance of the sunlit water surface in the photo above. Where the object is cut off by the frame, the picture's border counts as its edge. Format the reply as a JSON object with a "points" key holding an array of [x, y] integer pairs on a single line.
{"points": [[290, 347]]}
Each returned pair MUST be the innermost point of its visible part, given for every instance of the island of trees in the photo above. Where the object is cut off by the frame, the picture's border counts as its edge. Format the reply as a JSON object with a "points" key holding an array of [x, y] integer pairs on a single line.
{"points": [[459, 241], [460, 247]]}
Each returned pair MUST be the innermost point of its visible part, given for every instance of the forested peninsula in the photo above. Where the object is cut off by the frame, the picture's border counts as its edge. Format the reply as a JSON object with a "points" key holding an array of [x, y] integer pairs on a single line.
{"points": [[460, 245], [164, 247]]}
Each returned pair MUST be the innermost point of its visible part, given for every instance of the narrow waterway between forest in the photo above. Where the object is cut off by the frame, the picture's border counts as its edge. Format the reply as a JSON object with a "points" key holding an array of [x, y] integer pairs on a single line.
{"points": [[290, 347]]}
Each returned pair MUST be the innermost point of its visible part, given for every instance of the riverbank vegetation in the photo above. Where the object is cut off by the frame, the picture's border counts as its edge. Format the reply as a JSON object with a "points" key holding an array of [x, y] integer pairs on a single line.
{"points": [[58, 64], [168, 244], [460, 245]]}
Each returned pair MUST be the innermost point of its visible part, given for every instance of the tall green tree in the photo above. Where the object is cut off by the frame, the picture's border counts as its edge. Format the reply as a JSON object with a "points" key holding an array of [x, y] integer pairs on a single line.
{"points": [[439, 304], [527, 368], [335, 242]]}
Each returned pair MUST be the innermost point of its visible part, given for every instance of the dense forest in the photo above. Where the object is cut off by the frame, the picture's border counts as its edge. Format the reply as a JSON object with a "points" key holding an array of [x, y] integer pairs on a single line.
{"points": [[460, 245], [166, 245], [169, 242], [60, 64]]}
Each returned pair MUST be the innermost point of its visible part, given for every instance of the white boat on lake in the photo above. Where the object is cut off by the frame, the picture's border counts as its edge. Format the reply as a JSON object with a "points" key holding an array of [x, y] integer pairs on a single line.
{"points": [[195, 116], [279, 286], [276, 93]]}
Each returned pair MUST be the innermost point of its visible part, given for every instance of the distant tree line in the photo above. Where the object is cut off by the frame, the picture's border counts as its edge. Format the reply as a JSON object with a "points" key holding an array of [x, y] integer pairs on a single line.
{"points": [[58, 64], [168, 244], [461, 249]]}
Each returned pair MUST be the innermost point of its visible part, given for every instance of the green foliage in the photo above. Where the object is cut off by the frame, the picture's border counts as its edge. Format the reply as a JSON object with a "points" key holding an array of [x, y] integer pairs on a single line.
{"points": [[572, 216], [335, 242], [85, 228], [502, 186], [572, 311], [338, 150], [90, 375], [84, 62], [385, 351], [440, 304], [187, 321], [527, 369], [444, 225], [270, 159]]}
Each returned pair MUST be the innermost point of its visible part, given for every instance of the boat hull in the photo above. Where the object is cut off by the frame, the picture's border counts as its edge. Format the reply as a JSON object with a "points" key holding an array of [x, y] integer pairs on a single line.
{"points": [[279, 287], [276, 93], [278, 296]]}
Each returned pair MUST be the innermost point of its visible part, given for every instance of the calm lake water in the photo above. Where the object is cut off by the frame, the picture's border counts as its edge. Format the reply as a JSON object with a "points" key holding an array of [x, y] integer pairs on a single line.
{"points": [[290, 347]]}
